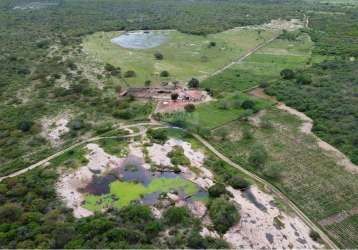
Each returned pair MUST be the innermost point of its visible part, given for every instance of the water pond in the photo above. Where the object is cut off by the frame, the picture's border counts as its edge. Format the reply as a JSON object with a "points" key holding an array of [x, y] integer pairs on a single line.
{"points": [[141, 39], [133, 183]]}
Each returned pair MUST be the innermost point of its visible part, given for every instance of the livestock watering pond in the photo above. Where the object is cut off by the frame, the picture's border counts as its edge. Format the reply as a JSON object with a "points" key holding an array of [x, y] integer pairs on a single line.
{"points": [[131, 182], [141, 39]]}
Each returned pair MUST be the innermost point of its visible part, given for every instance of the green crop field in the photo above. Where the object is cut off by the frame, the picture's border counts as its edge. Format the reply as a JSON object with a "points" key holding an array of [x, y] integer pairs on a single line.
{"points": [[185, 55], [345, 232], [264, 65], [302, 170]]}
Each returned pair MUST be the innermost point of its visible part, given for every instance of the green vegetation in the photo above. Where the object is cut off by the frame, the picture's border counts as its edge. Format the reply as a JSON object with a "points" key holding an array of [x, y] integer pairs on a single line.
{"points": [[339, 231], [223, 214], [224, 110], [294, 163], [182, 54], [177, 157], [122, 193], [72, 158], [264, 65], [330, 100]]}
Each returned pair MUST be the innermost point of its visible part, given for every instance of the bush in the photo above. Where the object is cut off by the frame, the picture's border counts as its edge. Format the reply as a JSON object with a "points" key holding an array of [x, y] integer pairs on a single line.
{"points": [[303, 79], [258, 156], [189, 107], [174, 96], [248, 104], [287, 74], [25, 126], [176, 215], [164, 73], [193, 83], [158, 135], [125, 114], [315, 236], [129, 73], [238, 182], [158, 56], [223, 214], [212, 44], [216, 190]]}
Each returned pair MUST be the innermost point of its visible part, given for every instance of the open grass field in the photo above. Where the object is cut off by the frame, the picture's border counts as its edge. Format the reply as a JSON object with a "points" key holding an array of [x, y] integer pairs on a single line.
{"points": [[306, 174], [185, 56], [219, 112], [264, 65]]}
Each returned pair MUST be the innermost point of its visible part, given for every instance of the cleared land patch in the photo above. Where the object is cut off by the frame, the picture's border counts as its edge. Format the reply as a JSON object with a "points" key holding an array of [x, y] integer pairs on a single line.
{"points": [[184, 55], [263, 65]]}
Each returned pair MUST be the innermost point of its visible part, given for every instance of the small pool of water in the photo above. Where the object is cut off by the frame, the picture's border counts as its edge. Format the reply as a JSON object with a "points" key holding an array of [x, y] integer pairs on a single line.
{"points": [[141, 39], [131, 182]]}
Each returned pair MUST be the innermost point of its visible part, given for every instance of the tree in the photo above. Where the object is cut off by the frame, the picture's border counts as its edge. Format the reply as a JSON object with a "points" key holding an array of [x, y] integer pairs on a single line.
{"points": [[189, 108], [223, 214], [248, 104], [217, 190], [258, 156], [174, 96], [158, 135], [287, 74], [193, 83], [164, 73], [158, 56]]}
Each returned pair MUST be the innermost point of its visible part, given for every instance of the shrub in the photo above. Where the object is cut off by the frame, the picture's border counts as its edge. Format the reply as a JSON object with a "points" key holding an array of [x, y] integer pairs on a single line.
{"points": [[176, 215], [303, 79], [238, 182], [212, 44], [25, 126], [287, 74], [248, 104], [147, 83], [258, 156], [174, 96], [164, 73], [158, 135], [223, 214], [216, 190], [193, 83], [129, 73], [189, 107], [158, 56], [125, 114], [314, 235]]}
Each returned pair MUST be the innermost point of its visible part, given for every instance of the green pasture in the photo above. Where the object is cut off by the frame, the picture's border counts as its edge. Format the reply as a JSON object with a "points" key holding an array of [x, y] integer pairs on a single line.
{"points": [[219, 112], [264, 65], [185, 55]]}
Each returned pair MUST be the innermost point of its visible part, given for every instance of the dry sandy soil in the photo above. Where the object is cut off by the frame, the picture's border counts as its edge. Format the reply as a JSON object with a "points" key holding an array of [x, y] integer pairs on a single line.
{"points": [[55, 127], [306, 127]]}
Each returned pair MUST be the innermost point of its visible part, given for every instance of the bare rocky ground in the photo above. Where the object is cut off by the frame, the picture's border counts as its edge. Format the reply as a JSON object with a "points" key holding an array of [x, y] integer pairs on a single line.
{"points": [[262, 224], [54, 128]]}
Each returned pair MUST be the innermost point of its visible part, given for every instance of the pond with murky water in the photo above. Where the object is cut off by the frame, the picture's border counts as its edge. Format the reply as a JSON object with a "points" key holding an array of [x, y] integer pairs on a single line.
{"points": [[131, 182], [141, 39]]}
